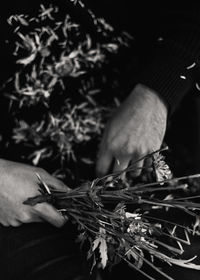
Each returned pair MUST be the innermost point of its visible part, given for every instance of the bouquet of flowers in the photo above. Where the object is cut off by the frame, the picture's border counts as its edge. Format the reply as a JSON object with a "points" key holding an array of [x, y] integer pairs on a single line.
{"points": [[58, 105], [118, 218]]}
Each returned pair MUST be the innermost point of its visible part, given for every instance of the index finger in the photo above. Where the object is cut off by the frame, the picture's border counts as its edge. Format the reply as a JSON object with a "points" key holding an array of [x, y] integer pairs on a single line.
{"points": [[52, 182], [50, 214]]}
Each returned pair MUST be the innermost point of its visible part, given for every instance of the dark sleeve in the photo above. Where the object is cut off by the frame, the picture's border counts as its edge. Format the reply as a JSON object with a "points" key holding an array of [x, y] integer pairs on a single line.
{"points": [[173, 68]]}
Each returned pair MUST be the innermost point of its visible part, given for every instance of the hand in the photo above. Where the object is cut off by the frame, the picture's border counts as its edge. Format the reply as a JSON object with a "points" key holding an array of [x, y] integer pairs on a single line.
{"points": [[136, 129], [19, 182]]}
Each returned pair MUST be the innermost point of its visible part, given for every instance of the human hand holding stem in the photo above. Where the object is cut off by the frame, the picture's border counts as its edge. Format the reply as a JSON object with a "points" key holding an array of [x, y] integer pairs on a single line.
{"points": [[18, 183], [131, 234], [137, 128]]}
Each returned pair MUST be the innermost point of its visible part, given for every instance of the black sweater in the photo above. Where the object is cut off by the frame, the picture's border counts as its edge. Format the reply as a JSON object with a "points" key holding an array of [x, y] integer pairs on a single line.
{"points": [[168, 39]]}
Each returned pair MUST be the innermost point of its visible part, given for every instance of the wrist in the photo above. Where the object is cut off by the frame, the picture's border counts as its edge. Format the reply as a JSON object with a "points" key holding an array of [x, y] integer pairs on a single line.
{"points": [[153, 99]]}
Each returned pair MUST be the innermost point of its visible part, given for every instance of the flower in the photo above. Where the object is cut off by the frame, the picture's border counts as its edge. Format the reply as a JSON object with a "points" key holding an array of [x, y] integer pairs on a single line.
{"points": [[162, 170]]}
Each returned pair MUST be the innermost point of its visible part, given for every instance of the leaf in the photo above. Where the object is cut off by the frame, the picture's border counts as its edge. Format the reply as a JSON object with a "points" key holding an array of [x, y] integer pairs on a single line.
{"points": [[103, 250], [100, 243], [95, 244]]}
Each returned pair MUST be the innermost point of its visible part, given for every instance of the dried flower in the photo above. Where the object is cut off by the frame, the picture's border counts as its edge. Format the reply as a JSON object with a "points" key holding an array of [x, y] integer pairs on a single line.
{"points": [[114, 232], [57, 95]]}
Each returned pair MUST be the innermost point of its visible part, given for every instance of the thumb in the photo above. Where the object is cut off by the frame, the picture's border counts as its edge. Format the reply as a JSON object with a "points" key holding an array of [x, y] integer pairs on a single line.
{"points": [[49, 214]]}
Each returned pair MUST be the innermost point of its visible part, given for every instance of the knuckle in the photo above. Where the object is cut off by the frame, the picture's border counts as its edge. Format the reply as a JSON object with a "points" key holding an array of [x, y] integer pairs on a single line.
{"points": [[15, 223], [40, 170], [5, 224], [132, 147], [113, 146], [128, 148], [124, 147]]}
